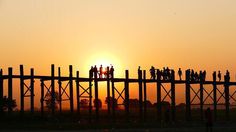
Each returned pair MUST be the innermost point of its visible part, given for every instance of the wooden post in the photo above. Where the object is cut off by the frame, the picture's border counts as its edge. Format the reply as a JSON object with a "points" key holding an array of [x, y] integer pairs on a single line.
{"points": [[140, 95], [1, 92], [42, 97], [187, 95], [78, 94], [159, 106], [59, 89], [145, 94], [71, 88], [215, 98], [108, 92], [201, 97], [90, 95], [127, 94], [226, 78], [173, 105], [53, 88], [10, 87], [32, 90], [96, 96], [22, 89], [113, 97]]}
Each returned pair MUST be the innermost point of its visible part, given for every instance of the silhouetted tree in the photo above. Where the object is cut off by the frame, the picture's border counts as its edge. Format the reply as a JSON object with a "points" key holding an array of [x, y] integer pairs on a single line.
{"points": [[164, 104], [8, 103], [98, 103], [84, 103], [133, 103], [111, 102], [181, 106], [149, 104], [49, 100]]}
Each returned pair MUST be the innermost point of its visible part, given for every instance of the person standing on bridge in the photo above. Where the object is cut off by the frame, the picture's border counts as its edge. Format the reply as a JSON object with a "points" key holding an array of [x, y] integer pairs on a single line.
{"points": [[139, 71], [167, 73], [152, 73], [201, 75], [95, 71], [180, 74], [204, 75], [227, 76], [139, 68], [219, 76], [106, 72], [100, 71], [214, 75], [192, 75], [91, 72], [111, 72]]}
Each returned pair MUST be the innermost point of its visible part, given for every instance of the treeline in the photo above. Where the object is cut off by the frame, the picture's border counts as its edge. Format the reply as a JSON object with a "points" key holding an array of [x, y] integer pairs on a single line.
{"points": [[133, 103]]}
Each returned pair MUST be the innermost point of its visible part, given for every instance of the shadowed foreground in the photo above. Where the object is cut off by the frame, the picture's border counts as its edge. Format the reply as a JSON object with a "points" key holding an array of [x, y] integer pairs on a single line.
{"points": [[228, 128], [181, 126], [67, 122]]}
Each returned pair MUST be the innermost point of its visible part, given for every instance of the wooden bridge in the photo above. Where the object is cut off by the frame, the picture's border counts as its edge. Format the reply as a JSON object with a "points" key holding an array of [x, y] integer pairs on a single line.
{"points": [[86, 92]]}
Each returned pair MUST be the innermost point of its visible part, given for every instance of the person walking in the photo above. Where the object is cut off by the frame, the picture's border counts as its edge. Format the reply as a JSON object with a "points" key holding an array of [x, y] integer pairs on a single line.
{"points": [[180, 74], [219, 76], [111, 72], [152, 73], [100, 71], [227, 76]]}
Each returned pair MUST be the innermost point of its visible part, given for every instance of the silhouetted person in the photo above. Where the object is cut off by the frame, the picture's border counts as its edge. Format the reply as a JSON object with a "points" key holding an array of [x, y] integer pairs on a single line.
{"points": [[152, 72], [180, 73], [214, 75], [209, 122], [196, 76], [139, 71], [219, 76], [91, 72], [111, 71], [227, 76], [192, 75], [201, 75], [167, 73], [106, 71], [164, 73], [100, 71], [95, 71], [161, 75], [139, 68], [204, 75]]}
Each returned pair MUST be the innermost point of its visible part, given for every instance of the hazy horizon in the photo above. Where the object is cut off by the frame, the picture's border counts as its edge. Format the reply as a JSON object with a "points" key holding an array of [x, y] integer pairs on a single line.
{"points": [[191, 34]]}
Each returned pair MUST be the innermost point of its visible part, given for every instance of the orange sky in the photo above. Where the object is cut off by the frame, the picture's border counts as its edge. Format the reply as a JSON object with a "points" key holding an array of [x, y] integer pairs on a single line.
{"points": [[126, 33]]}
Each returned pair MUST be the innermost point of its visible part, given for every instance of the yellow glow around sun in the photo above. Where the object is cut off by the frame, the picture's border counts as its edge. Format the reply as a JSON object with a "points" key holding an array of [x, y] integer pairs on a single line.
{"points": [[105, 59]]}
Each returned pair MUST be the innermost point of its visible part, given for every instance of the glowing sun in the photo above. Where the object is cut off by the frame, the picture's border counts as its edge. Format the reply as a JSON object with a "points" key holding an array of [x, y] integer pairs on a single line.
{"points": [[105, 59]]}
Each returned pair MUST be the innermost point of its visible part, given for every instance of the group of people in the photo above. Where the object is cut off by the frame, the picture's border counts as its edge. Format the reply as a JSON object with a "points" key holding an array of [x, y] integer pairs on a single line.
{"points": [[226, 77], [101, 73], [195, 76], [165, 73]]}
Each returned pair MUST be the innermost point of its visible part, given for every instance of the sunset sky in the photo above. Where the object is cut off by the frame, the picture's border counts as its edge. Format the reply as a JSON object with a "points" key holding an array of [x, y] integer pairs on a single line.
{"points": [[199, 34]]}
